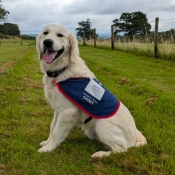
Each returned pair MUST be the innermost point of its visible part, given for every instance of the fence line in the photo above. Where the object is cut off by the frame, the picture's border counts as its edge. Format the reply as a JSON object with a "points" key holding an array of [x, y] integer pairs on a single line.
{"points": [[20, 42], [154, 38]]}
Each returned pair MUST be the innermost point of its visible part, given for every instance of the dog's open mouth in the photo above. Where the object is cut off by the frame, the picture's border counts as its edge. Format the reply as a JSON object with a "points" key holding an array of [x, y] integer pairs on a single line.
{"points": [[51, 55]]}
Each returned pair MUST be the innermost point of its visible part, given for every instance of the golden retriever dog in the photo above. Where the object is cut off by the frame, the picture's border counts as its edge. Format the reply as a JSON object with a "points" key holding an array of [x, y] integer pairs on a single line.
{"points": [[63, 69]]}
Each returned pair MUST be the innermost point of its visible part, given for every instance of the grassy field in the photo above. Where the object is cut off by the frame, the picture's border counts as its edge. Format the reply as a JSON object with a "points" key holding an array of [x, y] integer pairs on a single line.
{"points": [[144, 84]]}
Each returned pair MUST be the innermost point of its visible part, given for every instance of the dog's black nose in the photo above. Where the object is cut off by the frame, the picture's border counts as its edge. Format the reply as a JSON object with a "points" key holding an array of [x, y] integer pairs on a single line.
{"points": [[48, 43]]}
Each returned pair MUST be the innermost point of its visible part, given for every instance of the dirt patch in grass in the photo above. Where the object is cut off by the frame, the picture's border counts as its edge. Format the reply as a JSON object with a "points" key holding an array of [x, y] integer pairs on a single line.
{"points": [[2, 169], [151, 100], [1, 88], [124, 81], [5, 66], [9, 88], [164, 156], [24, 99], [32, 83]]}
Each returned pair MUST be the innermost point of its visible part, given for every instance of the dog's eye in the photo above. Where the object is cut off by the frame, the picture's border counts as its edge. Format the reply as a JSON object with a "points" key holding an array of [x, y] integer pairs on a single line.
{"points": [[45, 33], [59, 35]]}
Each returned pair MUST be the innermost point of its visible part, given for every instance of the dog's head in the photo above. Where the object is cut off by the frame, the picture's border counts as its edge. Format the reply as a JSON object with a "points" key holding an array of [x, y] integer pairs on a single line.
{"points": [[55, 44]]}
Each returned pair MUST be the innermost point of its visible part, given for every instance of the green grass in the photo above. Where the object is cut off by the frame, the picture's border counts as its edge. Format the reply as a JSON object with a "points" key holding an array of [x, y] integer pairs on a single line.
{"points": [[145, 85]]}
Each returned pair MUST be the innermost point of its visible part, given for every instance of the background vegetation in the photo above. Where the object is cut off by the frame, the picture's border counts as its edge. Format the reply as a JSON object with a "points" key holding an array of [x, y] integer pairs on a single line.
{"points": [[145, 85], [9, 29]]}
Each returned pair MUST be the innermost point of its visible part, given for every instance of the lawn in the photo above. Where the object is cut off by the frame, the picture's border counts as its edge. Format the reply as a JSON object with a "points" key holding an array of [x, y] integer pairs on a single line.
{"points": [[144, 84]]}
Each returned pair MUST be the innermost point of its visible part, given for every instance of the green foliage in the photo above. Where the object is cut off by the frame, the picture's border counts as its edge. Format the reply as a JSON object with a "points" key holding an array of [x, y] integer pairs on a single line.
{"points": [[9, 29], [131, 24], [85, 26], [3, 13]]}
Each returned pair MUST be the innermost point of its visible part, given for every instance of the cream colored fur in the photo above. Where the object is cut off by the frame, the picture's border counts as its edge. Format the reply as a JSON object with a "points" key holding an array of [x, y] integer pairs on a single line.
{"points": [[118, 132]]}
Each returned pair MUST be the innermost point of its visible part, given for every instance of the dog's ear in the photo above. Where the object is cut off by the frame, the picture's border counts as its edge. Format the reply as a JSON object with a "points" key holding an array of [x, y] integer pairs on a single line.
{"points": [[38, 45], [74, 51]]}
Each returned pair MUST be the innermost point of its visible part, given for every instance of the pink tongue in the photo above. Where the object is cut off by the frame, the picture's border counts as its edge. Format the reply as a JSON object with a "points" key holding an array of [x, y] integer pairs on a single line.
{"points": [[49, 56]]}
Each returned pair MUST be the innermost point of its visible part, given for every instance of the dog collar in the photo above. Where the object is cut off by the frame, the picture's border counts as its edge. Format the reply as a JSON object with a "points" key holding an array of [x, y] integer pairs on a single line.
{"points": [[55, 73]]}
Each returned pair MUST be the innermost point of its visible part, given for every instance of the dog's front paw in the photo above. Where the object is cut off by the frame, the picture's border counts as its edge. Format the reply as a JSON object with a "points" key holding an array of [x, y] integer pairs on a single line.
{"points": [[43, 143], [47, 148]]}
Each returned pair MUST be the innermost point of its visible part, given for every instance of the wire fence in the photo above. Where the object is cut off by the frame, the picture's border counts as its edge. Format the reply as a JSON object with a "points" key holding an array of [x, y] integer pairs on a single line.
{"points": [[160, 42]]}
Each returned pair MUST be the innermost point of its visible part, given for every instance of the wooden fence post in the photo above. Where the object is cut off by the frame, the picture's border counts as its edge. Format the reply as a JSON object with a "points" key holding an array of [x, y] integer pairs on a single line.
{"points": [[146, 34], [112, 37], [84, 39], [156, 50], [95, 37]]}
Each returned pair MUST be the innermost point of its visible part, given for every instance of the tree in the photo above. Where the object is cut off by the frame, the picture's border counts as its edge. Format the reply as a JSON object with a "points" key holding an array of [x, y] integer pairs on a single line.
{"points": [[131, 24], [3, 13], [85, 26], [9, 29]]}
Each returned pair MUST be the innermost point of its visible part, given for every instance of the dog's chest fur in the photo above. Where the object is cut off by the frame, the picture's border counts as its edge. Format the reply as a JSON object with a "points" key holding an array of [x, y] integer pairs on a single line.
{"points": [[54, 97]]}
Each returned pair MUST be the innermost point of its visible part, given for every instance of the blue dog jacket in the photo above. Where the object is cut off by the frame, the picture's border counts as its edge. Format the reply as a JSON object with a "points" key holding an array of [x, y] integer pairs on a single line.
{"points": [[90, 96]]}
